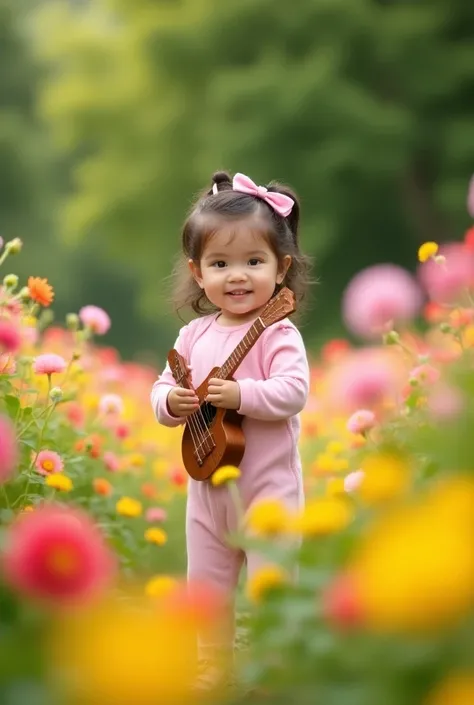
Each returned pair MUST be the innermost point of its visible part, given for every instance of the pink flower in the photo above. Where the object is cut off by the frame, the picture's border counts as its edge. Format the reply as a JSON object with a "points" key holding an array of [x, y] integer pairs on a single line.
{"points": [[424, 374], [10, 336], [8, 449], [379, 297], [58, 555], [155, 514], [361, 421], [365, 379], [447, 281], [49, 364], [353, 480], [95, 318], [7, 364], [445, 402], [47, 462], [111, 461], [470, 198], [111, 404]]}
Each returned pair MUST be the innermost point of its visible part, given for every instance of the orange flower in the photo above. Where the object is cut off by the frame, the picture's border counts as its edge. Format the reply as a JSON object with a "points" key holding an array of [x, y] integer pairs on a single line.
{"points": [[102, 486], [149, 490], [40, 291]]}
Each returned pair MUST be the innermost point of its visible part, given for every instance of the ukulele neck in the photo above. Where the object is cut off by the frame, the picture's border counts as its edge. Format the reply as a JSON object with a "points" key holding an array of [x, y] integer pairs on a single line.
{"points": [[242, 349]]}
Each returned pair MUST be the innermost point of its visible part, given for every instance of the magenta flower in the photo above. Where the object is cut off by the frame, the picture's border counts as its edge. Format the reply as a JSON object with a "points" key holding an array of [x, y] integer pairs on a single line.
{"points": [[49, 364], [57, 555], [447, 281], [95, 318], [361, 421], [10, 336], [156, 514], [8, 449], [364, 379], [378, 298], [47, 462]]}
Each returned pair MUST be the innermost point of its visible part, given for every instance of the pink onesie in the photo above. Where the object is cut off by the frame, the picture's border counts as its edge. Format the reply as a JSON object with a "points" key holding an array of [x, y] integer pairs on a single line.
{"points": [[274, 381]]}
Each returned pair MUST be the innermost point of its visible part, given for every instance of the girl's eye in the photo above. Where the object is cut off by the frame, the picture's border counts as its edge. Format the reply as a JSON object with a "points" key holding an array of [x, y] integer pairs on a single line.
{"points": [[220, 264], [254, 261]]}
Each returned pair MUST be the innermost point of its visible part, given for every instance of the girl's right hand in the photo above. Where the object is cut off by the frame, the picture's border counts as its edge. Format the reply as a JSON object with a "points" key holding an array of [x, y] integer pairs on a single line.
{"points": [[182, 402]]}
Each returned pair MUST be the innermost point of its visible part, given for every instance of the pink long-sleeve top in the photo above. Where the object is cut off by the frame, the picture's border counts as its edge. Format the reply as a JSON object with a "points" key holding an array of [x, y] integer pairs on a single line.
{"points": [[273, 380]]}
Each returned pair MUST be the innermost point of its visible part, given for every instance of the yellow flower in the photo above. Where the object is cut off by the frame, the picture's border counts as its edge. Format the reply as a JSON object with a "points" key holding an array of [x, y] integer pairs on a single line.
{"points": [[128, 507], [160, 586], [264, 580], [427, 250], [468, 336], [156, 535], [325, 464], [341, 464], [322, 516], [137, 460], [335, 487], [267, 517], [225, 474], [160, 468], [457, 689], [59, 481], [386, 477], [414, 571], [334, 448]]}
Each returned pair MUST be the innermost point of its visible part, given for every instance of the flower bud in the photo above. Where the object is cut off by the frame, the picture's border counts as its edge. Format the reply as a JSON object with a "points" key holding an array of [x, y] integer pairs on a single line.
{"points": [[445, 328], [72, 321], [25, 294], [391, 338], [10, 281], [76, 355], [56, 394], [13, 247]]}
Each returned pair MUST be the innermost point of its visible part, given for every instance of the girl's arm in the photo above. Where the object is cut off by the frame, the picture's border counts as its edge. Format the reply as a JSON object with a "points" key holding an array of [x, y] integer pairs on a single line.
{"points": [[285, 391], [165, 383]]}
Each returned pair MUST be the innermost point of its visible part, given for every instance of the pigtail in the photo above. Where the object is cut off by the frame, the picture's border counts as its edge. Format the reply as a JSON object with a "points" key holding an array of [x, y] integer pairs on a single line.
{"points": [[293, 219]]}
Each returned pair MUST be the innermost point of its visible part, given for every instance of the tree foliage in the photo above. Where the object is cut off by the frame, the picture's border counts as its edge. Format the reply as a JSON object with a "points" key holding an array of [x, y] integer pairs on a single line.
{"points": [[365, 107]]}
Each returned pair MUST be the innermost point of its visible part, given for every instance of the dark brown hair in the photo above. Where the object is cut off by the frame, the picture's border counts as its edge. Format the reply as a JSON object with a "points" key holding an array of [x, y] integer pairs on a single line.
{"points": [[219, 203]]}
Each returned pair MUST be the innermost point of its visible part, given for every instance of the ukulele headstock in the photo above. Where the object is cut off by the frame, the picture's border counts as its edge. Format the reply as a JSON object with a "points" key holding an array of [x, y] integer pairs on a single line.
{"points": [[279, 307], [179, 368]]}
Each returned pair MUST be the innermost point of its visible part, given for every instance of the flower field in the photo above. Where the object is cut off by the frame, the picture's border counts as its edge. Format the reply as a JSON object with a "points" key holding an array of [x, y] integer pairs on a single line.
{"points": [[93, 604]]}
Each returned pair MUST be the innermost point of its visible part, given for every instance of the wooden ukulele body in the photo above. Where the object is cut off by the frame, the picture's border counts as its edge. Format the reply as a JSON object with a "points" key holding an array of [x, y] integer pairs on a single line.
{"points": [[226, 429]]}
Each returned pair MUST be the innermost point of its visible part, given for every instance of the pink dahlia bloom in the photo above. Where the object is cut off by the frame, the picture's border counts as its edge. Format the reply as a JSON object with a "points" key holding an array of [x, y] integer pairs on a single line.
{"points": [[57, 555], [10, 336], [446, 282], [8, 449], [111, 404], [379, 297], [353, 480], [7, 364], [156, 514], [95, 318], [424, 374], [49, 364], [365, 379], [48, 462], [361, 421], [111, 461]]}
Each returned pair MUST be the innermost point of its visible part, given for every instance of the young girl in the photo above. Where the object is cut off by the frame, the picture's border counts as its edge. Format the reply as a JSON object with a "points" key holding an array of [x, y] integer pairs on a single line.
{"points": [[240, 245]]}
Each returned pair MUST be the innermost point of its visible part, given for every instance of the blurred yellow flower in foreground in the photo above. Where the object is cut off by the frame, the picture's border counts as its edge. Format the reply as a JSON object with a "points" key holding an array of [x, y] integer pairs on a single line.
{"points": [[458, 689], [323, 516], [415, 569], [267, 517], [160, 586], [226, 473], [427, 250], [120, 653], [129, 507], [264, 580], [156, 535], [59, 481], [335, 487], [386, 477]]}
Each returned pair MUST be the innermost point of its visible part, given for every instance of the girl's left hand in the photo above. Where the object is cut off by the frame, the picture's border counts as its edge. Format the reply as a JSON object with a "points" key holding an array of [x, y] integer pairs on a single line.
{"points": [[223, 393]]}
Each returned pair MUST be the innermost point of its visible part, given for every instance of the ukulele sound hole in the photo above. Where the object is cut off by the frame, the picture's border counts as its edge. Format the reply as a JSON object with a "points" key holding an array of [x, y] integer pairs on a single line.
{"points": [[209, 413]]}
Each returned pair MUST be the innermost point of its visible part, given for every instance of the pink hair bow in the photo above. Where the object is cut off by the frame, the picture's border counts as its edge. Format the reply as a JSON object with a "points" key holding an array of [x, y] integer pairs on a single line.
{"points": [[280, 203]]}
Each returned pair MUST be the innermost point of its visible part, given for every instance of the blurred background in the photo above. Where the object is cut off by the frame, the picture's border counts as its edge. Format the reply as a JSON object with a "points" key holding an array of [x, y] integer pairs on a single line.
{"points": [[115, 113]]}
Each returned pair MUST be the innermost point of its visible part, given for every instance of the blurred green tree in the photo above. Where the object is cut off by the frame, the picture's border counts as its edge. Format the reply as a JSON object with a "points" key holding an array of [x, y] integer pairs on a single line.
{"points": [[365, 107]]}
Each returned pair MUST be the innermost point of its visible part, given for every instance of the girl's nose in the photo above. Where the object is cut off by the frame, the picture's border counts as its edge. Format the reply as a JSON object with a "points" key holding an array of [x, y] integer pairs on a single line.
{"points": [[236, 275]]}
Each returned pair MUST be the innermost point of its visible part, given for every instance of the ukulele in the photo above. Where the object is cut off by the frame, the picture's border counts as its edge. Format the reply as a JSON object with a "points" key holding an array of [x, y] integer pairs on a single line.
{"points": [[212, 436]]}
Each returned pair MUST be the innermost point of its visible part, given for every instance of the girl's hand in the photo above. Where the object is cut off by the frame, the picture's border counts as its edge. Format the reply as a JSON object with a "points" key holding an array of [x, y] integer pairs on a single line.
{"points": [[182, 402], [223, 393]]}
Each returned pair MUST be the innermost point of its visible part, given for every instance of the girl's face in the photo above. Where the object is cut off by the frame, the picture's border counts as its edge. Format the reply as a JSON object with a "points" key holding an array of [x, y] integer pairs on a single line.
{"points": [[238, 271]]}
